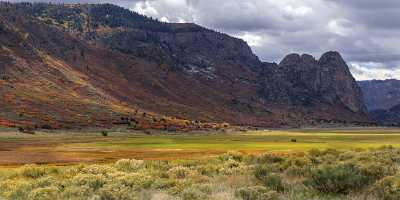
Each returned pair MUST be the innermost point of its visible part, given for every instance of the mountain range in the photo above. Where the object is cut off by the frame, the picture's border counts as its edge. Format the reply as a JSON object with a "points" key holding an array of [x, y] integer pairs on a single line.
{"points": [[382, 98], [79, 65]]}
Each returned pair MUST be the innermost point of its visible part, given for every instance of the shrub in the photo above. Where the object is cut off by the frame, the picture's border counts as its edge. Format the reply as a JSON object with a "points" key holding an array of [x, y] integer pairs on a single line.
{"points": [[97, 169], [314, 152], [193, 193], [116, 191], [15, 189], [27, 130], [274, 182], [135, 180], [129, 165], [296, 171], [388, 188], [331, 151], [47, 193], [269, 179], [377, 171], [262, 171], [77, 193], [104, 133], [232, 167], [257, 193], [232, 155], [179, 172], [45, 182], [208, 170], [337, 179], [297, 162], [93, 181], [270, 158], [33, 171], [163, 183]]}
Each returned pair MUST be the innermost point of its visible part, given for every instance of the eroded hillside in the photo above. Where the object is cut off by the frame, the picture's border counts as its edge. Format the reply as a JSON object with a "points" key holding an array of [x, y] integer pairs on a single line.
{"points": [[95, 65]]}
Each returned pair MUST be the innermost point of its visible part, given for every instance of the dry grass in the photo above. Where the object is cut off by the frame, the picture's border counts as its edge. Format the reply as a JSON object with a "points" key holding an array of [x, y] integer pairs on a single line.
{"points": [[322, 175]]}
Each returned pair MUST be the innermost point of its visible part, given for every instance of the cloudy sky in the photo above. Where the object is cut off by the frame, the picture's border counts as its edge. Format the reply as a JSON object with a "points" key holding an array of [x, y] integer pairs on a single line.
{"points": [[366, 32]]}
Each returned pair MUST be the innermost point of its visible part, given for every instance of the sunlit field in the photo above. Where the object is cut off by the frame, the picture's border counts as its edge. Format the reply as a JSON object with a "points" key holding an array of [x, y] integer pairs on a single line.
{"points": [[63, 147], [318, 164]]}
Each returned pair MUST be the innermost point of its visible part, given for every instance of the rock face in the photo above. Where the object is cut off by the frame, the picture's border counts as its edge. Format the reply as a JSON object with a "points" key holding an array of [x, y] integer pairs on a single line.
{"points": [[88, 65], [381, 94], [315, 86]]}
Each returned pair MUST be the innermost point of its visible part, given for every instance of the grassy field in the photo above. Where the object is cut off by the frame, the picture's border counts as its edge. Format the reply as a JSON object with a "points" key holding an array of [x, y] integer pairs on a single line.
{"points": [[72, 147], [311, 164]]}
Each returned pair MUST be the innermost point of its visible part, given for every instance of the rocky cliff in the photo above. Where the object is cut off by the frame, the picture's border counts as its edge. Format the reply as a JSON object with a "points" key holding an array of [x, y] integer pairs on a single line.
{"points": [[90, 65], [322, 89]]}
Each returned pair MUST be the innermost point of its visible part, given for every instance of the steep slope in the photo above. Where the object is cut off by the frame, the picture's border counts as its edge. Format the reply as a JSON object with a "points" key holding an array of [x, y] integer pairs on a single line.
{"points": [[390, 117], [381, 94], [321, 90], [91, 65]]}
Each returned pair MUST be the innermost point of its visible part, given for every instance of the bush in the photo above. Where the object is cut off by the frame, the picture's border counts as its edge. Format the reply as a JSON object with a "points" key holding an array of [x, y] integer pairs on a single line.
{"points": [[257, 193], [104, 133], [163, 184], [27, 130], [269, 179], [274, 182], [93, 181], [388, 188], [314, 152], [77, 193], [270, 158], [232, 155], [46, 181], [231, 167], [193, 193], [116, 191], [129, 165], [33, 171], [208, 170], [296, 171], [377, 171], [97, 169], [47, 193], [179, 172], [15, 189], [337, 179], [134, 180]]}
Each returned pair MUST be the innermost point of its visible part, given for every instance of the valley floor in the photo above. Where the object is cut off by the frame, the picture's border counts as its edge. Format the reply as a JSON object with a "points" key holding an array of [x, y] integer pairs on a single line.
{"points": [[66, 147], [312, 164]]}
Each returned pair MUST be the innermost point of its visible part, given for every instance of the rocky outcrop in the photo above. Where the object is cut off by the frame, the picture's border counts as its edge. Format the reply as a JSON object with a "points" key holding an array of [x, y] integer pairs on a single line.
{"points": [[305, 80]]}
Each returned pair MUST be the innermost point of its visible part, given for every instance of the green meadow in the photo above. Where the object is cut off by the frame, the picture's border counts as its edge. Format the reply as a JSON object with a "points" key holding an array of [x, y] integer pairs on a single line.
{"points": [[65, 147]]}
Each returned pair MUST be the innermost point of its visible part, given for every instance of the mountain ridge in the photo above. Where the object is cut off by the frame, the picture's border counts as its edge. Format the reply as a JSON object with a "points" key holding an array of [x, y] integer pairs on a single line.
{"points": [[382, 97], [71, 64], [381, 94]]}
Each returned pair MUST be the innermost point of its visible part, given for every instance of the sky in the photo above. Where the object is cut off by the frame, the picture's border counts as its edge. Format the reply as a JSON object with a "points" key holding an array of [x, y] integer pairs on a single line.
{"points": [[365, 32]]}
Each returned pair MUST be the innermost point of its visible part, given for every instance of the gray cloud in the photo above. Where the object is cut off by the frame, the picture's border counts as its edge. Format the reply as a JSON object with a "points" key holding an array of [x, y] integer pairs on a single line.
{"points": [[364, 31]]}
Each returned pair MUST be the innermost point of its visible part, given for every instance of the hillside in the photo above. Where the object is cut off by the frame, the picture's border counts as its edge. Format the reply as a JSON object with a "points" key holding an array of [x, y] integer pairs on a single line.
{"points": [[381, 94], [68, 66], [390, 117]]}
